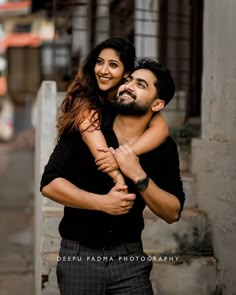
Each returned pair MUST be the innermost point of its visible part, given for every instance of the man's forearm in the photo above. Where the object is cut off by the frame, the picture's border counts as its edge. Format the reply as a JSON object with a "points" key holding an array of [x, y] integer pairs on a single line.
{"points": [[115, 202], [64, 192], [162, 203]]}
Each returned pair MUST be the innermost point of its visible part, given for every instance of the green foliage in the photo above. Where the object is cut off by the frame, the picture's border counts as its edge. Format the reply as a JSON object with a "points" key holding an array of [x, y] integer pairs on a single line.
{"points": [[182, 135], [217, 291], [196, 247]]}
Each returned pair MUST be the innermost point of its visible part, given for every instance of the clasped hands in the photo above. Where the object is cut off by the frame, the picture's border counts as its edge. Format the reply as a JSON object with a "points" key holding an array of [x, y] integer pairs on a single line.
{"points": [[122, 158]]}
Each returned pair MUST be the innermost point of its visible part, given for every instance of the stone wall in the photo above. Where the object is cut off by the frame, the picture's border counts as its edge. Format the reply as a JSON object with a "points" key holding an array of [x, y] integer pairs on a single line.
{"points": [[214, 155], [47, 213]]}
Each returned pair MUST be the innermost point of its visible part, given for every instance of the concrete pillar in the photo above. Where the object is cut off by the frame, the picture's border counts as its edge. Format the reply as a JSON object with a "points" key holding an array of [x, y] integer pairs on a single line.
{"points": [[102, 26], [214, 155], [47, 213], [80, 40], [82, 30], [146, 32]]}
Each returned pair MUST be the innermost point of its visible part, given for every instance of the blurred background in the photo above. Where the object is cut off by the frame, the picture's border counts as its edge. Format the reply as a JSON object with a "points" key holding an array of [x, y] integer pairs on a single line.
{"points": [[45, 40]]}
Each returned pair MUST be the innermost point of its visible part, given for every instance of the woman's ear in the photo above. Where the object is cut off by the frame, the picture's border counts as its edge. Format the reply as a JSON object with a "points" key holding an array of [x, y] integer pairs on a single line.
{"points": [[126, 75], [158, 105]]}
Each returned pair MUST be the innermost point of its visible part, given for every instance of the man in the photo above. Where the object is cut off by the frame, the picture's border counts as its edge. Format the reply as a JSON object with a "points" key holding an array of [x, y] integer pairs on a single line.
{"points": [[102, 224]]}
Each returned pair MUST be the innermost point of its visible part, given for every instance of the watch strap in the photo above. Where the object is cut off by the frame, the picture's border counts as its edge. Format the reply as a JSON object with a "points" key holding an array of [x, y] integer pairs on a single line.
{"points": [[142, 184]]}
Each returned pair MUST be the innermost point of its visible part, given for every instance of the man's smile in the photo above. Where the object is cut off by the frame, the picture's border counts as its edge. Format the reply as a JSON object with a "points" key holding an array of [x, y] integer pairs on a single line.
{"points": [[126, 94]]}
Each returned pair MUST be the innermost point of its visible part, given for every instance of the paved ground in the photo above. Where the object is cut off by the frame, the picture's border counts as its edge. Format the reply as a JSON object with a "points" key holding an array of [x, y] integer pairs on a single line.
{"points": [[16, 215]]}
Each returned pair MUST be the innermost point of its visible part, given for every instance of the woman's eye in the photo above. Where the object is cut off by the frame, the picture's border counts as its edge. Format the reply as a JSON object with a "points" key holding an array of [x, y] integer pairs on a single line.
{"points": [[99, 61], [113, 65]]}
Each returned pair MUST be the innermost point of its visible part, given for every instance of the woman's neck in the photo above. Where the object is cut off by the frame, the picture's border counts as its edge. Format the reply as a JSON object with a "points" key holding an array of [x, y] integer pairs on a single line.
{"points": [[111, 94]]}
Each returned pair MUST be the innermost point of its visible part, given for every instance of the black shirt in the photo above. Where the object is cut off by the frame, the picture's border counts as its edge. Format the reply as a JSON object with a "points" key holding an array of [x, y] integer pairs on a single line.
{"points": [[72, 160]]}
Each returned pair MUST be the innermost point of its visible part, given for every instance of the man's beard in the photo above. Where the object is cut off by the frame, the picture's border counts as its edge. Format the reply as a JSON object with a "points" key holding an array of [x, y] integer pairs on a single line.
{"points": [[131, 108]]}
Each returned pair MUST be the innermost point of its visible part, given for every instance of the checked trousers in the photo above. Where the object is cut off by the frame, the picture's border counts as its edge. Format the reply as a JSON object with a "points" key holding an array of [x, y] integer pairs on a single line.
{"points": [[121, 269]]}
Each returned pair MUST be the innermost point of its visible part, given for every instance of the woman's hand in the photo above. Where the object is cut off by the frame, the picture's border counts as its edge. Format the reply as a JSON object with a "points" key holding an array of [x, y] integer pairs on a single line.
{"points": [[106, 163], [128, 162]]}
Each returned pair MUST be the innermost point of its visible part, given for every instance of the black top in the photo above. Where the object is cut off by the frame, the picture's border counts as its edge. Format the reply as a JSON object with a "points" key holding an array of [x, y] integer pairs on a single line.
{"points": [[72, 160]]}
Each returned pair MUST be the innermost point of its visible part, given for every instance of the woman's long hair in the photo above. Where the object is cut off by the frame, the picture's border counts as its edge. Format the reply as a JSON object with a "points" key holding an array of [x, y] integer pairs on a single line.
{"points": [[83, 95]]}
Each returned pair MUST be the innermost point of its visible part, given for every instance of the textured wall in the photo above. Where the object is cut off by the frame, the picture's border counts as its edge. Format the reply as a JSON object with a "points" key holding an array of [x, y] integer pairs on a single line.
{"points": [[47, 212], [219, 71], [214, 156]]}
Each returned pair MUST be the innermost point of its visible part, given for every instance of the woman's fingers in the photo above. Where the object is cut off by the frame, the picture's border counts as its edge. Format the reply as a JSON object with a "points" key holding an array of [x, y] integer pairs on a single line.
{"points": [[103, 149]]}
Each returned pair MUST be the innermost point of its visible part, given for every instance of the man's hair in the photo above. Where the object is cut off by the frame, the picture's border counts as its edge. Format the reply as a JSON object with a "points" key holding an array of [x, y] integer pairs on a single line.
{"points": [[165, 84]]}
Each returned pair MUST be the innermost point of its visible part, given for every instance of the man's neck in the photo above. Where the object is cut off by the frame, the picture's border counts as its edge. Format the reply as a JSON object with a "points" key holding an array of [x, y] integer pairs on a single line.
{"points": [[129, 128]]}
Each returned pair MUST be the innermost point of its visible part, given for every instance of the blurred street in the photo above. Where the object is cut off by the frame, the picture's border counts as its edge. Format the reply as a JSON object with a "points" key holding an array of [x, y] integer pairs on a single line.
{"points": [[16, 215]]}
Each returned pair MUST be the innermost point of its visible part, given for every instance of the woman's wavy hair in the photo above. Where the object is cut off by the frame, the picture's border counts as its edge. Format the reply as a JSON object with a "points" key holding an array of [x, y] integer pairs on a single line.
{"points": [[83, 94]]}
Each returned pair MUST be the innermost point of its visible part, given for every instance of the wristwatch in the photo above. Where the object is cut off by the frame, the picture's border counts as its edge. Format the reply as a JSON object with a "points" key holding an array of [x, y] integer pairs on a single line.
{"points": [[142, 184]]}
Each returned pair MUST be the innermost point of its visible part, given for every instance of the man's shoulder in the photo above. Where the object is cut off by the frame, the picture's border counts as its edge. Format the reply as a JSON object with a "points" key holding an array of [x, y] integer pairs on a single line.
{"points": [[71, 136], [166, 151], [168, 145], [73, 139]]}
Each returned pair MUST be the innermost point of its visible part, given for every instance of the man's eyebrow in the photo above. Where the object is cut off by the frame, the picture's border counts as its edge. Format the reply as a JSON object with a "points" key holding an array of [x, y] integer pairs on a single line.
{"points": [[141, 80]]}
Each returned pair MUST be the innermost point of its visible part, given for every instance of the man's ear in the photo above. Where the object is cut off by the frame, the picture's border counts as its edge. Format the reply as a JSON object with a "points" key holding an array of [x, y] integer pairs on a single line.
{"points": [[158, 105]]}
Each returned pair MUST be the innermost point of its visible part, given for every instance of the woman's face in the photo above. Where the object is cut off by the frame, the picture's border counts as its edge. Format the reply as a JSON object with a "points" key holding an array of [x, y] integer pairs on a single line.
{"points": [[109, 70]]}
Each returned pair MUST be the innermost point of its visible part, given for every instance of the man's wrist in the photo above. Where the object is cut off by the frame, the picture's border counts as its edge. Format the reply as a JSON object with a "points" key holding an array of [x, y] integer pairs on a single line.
{"points": [[142, 183], [139, 176]]}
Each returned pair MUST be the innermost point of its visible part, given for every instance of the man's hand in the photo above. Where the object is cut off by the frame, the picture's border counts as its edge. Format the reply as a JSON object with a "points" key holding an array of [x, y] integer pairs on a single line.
{"points": [[106, 163], [116, 202], [128, 162]]}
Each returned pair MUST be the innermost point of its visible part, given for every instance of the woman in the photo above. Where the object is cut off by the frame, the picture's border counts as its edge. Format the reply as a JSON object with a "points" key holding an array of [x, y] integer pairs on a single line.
{"points": [[87, 105]]}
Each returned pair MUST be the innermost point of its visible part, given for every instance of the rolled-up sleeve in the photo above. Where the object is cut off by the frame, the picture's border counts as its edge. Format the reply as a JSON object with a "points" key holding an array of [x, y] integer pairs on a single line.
{"points": [[166, 172], [57, 162], [172, 181]]}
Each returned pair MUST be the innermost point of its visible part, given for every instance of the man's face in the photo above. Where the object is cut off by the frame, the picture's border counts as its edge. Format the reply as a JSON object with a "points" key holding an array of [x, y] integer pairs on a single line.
{"points": [[137, 94]]}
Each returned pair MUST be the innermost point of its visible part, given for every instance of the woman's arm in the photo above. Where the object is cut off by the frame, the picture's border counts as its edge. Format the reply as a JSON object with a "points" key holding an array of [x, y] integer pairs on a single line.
{"points": [[154, 136], [95, 140]]}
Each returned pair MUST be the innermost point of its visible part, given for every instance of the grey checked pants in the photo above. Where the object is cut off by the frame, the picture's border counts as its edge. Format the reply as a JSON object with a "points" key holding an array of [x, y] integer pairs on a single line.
{"points": [[122, 269]]}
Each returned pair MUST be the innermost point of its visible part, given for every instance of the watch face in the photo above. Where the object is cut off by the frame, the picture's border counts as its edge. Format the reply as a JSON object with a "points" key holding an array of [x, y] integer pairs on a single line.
{"points": [[142, 184]]}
